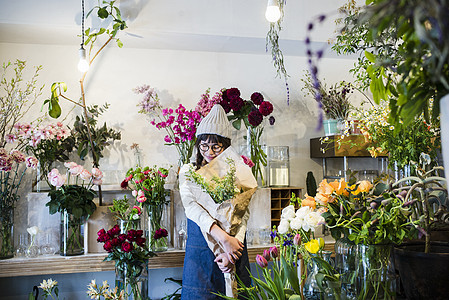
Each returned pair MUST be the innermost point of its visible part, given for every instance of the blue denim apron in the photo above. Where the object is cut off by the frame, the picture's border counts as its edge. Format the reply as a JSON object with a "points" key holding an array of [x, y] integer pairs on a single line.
{"points": [[201, 275]]}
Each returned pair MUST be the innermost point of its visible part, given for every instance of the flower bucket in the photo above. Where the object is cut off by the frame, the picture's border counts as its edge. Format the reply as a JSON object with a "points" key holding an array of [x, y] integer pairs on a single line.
{"points": [[330, 127], [72, 235], [6, 233]]}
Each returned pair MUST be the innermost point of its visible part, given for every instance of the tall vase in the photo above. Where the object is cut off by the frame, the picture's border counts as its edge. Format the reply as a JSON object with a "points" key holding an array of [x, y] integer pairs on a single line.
{"points": [[444, 126], [72, 235], [132, 278], [6, 233], [375, 274], [345, 255], [157, 227], [256, 151]]}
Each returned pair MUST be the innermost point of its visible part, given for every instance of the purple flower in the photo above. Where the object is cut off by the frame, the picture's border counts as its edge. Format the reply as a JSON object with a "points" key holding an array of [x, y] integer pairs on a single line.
{"points": [[257, 98], [274, 252], [266, 108], [236, 104], [266, 254], [255, 118], [271, 120], [261, 261], [233, 93]]}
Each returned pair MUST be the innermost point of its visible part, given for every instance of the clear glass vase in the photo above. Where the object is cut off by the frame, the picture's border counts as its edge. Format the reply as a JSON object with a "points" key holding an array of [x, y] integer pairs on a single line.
{"points": [[157, 227], [6, 233], [72, 235], [345, 255], [375, 274], [132, 278], [312, 289]]}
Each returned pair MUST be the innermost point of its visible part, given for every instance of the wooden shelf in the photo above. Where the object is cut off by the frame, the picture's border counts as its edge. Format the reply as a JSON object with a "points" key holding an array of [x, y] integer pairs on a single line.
{"points": [[280, 198], [56, 264]]}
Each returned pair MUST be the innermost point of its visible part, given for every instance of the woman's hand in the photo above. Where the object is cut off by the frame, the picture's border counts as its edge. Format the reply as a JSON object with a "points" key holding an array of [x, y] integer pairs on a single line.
{"points": [[224, 263], [231, 245]]}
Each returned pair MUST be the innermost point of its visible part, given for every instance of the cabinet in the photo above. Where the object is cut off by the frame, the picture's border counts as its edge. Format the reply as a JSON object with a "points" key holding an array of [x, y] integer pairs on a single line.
{"points": [[280, 198], [340, 155]]}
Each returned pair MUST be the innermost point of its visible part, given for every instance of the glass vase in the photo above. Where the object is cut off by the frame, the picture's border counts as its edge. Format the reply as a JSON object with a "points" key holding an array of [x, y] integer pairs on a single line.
{"points": [[132, 278], [72, 235], [375, 275], [257, 151], [345, 254], [6, 233], [158, 231], [312, 289]]}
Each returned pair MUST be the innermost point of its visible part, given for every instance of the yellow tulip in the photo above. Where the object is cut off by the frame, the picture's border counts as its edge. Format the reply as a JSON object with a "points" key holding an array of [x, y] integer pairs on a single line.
{"points": [[313, 246]]}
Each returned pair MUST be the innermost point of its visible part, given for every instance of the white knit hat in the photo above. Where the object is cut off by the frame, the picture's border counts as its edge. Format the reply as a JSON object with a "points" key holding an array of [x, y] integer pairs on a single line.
{"points": [[216, 122]]}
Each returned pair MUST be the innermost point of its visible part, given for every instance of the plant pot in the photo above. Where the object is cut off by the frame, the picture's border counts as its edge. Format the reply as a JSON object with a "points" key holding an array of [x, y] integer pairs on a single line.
{"points": [[330, 127], [423, 275]]}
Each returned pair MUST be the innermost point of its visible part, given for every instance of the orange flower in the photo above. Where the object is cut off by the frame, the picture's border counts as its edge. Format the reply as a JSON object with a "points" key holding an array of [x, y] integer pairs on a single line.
{"points": [[325, 188], [365, 186], [324, 199], [339, 186], [309, 201]]}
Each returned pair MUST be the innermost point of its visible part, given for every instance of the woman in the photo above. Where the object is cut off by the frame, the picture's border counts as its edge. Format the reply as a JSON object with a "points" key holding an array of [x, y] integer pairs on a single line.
{"points": [[211, 251]]}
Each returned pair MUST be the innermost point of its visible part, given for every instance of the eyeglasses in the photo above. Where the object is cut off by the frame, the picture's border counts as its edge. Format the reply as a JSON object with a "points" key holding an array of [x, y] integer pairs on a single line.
{"points": [[215, 147]]}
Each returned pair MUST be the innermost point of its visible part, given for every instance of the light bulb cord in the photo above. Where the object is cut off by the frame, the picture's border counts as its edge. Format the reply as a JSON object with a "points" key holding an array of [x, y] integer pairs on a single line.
{"points": [[82, 24]]}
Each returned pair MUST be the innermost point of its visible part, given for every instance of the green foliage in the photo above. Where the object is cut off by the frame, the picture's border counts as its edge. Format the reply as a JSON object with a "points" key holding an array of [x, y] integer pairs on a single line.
{"points": [[311, 184], [220, 189], [75, 199], [272, 43], [101, 135]]}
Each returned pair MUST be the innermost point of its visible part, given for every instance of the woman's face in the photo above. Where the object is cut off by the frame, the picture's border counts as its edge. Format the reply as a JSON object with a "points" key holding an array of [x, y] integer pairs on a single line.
{"points": [[210, 150]]}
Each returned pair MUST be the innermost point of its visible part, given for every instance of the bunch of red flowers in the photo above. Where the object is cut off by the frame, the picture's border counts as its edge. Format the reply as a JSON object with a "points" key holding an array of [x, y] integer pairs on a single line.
{"points": [[114, 241], [160, 233], [251, 111]]}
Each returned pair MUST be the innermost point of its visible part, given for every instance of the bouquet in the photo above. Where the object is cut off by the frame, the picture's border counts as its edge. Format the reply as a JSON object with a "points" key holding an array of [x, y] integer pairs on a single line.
{"points": [[48, 143], [11, 175], [128, 216], [334, 100], [250, 112], [74, 201], [236, 185], [129, 251], [180, 124], [147, 185]]}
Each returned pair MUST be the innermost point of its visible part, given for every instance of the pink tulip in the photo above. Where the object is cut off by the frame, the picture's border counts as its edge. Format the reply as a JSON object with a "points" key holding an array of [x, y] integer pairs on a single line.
{"points": [[85, 175], [261, 261], [274, 252], [96, 173], [266, 254]]}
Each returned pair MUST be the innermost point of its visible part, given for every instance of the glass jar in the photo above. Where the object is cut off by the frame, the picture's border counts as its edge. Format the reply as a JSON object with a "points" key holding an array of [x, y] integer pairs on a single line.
{"points": [[278, 166], [375, 274], [72, 235], [345, 254], [132, 278]]}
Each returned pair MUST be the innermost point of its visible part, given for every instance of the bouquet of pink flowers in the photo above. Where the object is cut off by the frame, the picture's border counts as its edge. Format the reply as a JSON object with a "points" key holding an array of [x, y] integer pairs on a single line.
{"points": [[180, 123]]}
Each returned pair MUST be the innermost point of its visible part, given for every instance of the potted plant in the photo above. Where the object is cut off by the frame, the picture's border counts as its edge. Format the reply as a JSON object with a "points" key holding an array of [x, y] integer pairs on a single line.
{"points": [[423, 264]]}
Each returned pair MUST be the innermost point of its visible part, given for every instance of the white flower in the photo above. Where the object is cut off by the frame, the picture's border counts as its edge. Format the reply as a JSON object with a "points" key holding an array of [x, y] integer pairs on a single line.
{"points": [[47, 285], [303, 211], [284, 226], [296, 223], [288, 213], [312, 220], [33, 230]]}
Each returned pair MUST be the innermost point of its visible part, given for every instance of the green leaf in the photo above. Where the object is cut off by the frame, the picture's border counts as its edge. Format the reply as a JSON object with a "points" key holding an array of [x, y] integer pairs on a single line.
{"points": [[103, 13], [237, 124], [371, 57], [54, 108]]}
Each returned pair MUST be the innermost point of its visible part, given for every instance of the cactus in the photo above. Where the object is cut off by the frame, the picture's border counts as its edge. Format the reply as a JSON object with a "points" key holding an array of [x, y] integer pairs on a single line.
{"points": [[311, 184]]}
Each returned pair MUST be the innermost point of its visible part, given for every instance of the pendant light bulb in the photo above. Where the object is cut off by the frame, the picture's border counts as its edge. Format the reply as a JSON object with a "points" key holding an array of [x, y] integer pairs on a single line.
{"points": [[83, 64], [273, 13]]}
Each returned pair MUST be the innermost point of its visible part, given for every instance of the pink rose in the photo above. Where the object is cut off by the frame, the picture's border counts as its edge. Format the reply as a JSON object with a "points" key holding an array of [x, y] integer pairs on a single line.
{"points": [[85, 175], [70, 165], [96, 173], [141, 199], [77, 170]]}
